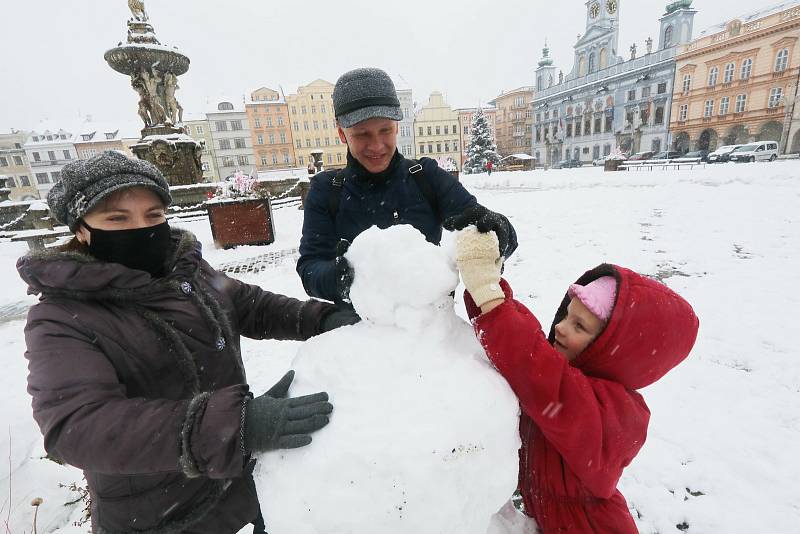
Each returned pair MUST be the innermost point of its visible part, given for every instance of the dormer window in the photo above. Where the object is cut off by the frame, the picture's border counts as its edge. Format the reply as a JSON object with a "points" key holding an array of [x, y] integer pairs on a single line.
{"points": [[225, 106], [86, 137], [111, 135]]}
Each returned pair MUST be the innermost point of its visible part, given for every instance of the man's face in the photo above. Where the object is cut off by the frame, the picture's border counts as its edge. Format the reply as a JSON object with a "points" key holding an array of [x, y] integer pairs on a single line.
{"points": [[575, 331], [372, 142]]}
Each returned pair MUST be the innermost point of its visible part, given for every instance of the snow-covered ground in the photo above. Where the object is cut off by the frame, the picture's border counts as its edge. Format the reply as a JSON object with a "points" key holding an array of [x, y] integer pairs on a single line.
{"points": [[720, 455]]}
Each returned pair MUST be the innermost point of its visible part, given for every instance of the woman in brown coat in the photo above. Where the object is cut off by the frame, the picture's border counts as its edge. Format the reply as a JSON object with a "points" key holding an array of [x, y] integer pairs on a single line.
{"points": [[134, 362]]}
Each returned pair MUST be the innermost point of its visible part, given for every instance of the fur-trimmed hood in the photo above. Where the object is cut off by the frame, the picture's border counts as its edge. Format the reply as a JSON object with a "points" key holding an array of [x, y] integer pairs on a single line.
{"points": [[651, 330]]}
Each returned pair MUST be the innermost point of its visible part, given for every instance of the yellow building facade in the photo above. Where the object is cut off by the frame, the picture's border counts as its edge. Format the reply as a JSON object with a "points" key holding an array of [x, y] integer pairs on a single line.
{"points": [[313, 125], [199, 129], [438, 137], [737, 83]]}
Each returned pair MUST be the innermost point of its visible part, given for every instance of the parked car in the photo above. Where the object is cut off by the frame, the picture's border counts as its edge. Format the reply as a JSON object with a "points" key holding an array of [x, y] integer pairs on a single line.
{"points": [[722, 154], [702, 155], [599, 162], [568, 164], [642, 156], [667, 154], [760, 151]]}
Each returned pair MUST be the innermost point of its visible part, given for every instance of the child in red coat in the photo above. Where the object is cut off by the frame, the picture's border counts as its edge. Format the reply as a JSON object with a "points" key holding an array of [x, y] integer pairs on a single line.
{"points": [[582, 419]]}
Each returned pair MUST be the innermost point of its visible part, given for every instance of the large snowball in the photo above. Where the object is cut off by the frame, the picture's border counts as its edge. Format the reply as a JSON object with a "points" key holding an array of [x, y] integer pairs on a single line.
{"points": [[423, 436]]}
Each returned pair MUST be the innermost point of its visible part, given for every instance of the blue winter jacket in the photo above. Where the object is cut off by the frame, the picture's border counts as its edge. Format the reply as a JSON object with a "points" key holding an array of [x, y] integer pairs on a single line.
{"points": [[391, 197]]}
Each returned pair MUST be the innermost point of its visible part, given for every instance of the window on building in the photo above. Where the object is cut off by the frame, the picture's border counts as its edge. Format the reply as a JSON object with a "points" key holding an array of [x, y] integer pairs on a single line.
{"points": [[712, 76], [598, 124], [313, 108], [24, 181], [296, 126], [274, 158], [283, 137], [3, 161], [42, 178], [466, 130], [724, 104], [317, 142], [286, 157], [519, 101], [18, 160], [316, 125], [430, 148], [236, 125], [645, 92], [447, 147], [683, 113], [257, 122], [609, 123], [294, 110], [730, 69], [338, 158], [228, 161], [708, 109], [308, 143], [272, 138], [438, 131], [747, 68], [327, 141], [741, 103], [324, 124], [260, 139], [269, 122], [782, 60], [305, 125], [303, 110], [662, 88], [439, 148], [263, 160], [577, 130], [10, 182], [330, 159], [421, 148], [300, 160], [36, 156], [280, 121], [221, 126], [668, 36], [243, 160], [420, 130], [199, 130], [51, 155], [775, 97], [322, 108], [606, 149], [299, 144], [447, 130], [687, 83], [430, 130], [224, 144], [631, 95]]}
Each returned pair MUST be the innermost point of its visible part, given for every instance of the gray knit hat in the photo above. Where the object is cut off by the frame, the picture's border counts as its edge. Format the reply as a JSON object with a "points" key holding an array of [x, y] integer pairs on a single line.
{"points": [[363, 94], [84, 183]]}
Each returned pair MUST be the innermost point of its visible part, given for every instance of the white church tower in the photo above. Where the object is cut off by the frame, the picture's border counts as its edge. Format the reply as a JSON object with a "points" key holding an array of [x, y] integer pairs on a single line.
{"points": [[677, 24], [597, 48]]}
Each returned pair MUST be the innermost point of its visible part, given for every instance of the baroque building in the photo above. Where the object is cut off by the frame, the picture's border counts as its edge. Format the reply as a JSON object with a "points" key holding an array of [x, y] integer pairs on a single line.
{"points": [[605, 100], [437, 132], [737, 83], [514, 121], [313, 124], [270, 130]]}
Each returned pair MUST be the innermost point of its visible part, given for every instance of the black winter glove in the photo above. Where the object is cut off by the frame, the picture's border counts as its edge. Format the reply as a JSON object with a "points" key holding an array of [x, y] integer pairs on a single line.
{"points": [[344, 273], [276, 421], [485, 220], [338, 317]]}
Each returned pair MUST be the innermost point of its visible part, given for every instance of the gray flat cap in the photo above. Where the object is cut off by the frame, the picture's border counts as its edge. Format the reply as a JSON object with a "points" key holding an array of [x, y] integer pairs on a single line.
{"points": [[85, 183], [363, 94]]}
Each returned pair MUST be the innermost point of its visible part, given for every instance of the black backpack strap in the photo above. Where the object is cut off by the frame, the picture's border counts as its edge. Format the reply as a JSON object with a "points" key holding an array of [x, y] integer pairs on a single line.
{"points": [[337, 182], [418, 172]]}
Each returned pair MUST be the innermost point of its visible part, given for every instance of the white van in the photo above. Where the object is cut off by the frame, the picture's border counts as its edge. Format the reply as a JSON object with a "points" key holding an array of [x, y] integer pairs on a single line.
{"points": [[760, 151]]}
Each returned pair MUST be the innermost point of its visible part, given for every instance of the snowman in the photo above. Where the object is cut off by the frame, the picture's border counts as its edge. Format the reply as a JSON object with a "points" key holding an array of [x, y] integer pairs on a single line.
{"points": [[424, 433]]}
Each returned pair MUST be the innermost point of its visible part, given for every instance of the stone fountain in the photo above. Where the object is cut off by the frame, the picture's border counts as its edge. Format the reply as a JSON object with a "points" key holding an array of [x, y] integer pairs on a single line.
{"points": [[154, 70]]}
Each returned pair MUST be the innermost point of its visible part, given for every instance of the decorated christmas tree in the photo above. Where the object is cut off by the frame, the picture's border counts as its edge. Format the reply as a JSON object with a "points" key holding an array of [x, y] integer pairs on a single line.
{"points": [[482, 147]]}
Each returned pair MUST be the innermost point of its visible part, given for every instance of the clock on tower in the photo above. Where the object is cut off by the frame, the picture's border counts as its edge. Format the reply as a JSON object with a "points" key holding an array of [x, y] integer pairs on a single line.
{"points": [[611, 6], [594, 11]]}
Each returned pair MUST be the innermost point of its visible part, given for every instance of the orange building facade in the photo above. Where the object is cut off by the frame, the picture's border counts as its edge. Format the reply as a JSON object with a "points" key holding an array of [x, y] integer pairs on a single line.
{"points": [[270, 130]]}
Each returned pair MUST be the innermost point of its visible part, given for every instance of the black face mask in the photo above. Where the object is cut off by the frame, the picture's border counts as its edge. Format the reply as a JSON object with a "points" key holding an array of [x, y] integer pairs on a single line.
{"points": [[144, 249]]}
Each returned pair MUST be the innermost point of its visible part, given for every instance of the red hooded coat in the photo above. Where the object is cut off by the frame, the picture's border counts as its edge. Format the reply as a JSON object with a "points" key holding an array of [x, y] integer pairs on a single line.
{"points": [[582, 422]]}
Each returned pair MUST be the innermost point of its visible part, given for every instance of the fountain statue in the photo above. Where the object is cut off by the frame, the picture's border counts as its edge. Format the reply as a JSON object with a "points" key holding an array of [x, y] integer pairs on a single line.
{"points": [[154, 69]]}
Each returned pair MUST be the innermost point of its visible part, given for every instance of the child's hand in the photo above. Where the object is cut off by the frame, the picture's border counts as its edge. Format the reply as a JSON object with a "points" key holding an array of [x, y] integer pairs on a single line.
{"points": [[479, 261]]}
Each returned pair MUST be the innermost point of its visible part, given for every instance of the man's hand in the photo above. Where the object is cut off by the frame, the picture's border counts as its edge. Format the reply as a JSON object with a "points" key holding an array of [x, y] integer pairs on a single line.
{"points": [[485, 220], [344, 273], [276, 421], [480, 264], [337, 318]]}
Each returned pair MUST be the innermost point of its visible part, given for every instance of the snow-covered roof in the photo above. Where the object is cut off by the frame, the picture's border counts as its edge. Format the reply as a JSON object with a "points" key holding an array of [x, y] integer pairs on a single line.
{"points": [[755, 15]]}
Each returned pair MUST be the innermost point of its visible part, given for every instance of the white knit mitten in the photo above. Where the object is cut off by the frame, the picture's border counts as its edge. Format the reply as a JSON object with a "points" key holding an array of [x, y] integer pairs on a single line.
{"points": [[479, 261]]}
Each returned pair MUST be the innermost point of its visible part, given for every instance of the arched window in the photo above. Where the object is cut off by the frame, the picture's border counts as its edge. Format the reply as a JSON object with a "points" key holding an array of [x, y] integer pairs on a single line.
{"points": [[747, 68], [782, 60], [539, 83], [225, 106], [668, 37], [591, 63], [603, 58], [730, 68], [712, 77]]}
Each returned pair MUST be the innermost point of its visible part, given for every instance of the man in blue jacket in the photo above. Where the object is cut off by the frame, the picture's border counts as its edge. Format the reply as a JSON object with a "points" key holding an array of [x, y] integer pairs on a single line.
{"points": [[378, 187]]}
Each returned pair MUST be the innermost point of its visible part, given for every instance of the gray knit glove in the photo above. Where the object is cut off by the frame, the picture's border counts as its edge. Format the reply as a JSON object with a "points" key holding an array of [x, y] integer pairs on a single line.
{"points": [[276, 421]]}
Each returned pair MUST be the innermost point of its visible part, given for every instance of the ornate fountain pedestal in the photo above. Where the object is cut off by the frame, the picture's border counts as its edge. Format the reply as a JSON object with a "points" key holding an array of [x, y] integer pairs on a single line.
{"points": [[154, 70]]}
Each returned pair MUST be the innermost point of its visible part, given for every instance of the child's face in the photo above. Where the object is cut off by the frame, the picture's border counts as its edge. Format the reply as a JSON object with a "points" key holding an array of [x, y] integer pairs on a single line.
{"points": [[579, 328]]}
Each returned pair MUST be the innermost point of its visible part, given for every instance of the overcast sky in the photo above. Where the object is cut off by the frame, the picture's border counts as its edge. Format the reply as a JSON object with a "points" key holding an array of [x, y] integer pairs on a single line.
{"points": [[52, 63]]}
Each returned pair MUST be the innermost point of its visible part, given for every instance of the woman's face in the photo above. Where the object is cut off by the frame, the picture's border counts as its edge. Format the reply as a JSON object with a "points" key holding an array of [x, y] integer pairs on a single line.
{"points": [[128, 209]]}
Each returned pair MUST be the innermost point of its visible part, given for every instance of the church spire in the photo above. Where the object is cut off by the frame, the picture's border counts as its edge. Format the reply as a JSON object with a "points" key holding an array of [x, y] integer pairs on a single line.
{"points": [[546, 60]]}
